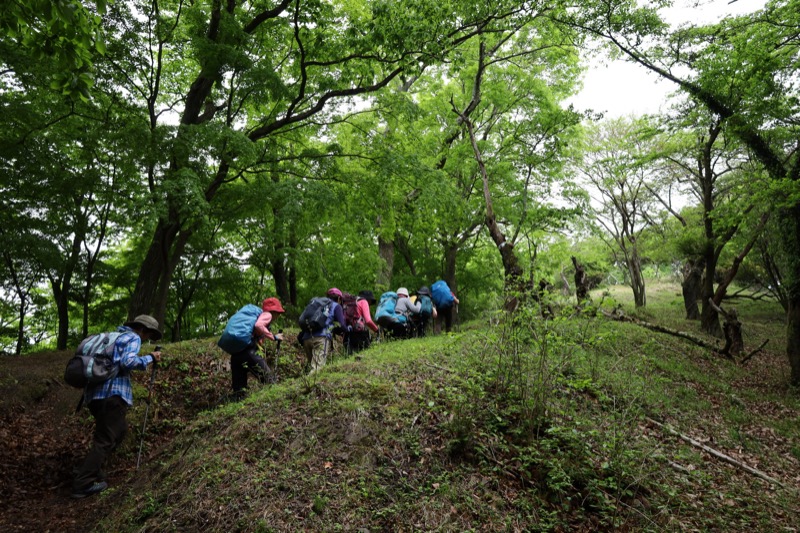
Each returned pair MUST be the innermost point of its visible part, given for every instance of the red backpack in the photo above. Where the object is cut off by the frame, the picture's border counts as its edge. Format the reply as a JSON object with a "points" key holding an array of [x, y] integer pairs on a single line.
{"points": [[352, 316]]}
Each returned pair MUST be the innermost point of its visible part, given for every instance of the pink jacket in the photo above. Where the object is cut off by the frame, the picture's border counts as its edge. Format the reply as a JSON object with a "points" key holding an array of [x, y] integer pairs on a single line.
{"points": [[261, 329], [363, 310]]}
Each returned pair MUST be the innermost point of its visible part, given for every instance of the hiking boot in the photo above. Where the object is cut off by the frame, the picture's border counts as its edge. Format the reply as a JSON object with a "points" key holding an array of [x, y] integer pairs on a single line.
{"points": [[95, 488], [101, 476]]}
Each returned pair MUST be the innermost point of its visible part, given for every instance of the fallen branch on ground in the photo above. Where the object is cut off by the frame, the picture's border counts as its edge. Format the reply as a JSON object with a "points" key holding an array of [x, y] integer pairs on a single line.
{"points": [[615, 315], [716, 453], [751, 354]]}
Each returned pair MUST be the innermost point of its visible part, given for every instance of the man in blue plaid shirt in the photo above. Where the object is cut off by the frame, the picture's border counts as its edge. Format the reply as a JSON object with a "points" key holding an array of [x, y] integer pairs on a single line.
{"points": [[109, 402]]}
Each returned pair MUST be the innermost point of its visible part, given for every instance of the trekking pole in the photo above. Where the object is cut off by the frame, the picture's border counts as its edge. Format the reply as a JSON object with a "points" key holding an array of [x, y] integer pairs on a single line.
{"points": [[147, 409], [277, 354]]}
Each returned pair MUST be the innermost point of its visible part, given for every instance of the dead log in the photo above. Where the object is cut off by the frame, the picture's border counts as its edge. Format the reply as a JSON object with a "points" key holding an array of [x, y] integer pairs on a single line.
{"points": [[581, 282], [734, 342], [617, 315], [718, 454]]}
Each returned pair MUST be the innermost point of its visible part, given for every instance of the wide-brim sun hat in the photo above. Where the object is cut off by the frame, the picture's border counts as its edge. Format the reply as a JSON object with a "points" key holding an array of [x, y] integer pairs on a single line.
{"points": [[273, 305], [402, 291], [424, 291], [368, 296], [147, 322]]}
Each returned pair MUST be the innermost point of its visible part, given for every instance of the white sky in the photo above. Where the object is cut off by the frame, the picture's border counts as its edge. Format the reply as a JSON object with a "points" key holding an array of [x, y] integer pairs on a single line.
{"points": [[619, 88]]}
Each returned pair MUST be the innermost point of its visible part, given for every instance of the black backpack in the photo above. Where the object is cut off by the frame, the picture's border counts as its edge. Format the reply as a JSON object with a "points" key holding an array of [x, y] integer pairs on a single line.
{"points": [[93, 362], [316, 315]]}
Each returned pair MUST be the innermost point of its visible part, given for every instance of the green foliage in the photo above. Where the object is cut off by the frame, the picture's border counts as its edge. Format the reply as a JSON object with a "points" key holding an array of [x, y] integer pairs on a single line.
{"points": [[67, 31]]}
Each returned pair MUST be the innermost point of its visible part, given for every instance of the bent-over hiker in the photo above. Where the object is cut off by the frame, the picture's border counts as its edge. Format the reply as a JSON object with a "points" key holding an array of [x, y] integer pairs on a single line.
{"points": [[445, 301], [249, 360], [427, 311], [109, 402], [408, 309]]}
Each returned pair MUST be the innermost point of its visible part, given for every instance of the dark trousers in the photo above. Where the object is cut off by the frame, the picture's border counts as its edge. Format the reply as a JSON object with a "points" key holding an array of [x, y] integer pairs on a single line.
{"points": [[400, 330], [110, 428], [420, 325], [355, 341], [248, 361], [445, 314]]}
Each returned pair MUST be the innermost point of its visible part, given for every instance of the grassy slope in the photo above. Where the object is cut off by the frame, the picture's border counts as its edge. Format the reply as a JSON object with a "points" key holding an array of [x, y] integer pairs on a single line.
{"points": [[537, 427]]}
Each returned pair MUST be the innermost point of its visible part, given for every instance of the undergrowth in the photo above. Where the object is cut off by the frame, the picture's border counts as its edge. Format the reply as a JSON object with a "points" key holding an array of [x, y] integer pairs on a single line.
{"points": [[525, 424]]}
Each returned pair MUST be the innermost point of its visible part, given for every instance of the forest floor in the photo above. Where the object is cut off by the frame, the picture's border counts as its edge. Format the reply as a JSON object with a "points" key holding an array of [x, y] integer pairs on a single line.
{"points": [[393, 440], [43, 439]]}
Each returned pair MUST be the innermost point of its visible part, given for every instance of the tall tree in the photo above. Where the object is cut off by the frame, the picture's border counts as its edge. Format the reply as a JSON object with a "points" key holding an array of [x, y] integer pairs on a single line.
{"points": [[264, 69], [714, 170], [616, 168], [744, 70]]}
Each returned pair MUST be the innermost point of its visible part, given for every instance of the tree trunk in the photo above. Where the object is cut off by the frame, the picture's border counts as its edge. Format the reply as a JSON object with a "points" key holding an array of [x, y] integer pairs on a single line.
{"points": [[793, 338], [565, 288], [62, 286], [789, 222], [21, 327], [722, 288], [155, 275], [61, 298], [637, 279], [281, 277], [386, 252], [292, 269], [709, 319], [91, 262], [176, 327], [401, 245], [511, 268], [691, 286], [450, 255]]}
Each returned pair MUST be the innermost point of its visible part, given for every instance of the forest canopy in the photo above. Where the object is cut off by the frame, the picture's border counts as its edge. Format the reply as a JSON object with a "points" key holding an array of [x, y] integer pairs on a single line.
{"points": [[182, 159]]}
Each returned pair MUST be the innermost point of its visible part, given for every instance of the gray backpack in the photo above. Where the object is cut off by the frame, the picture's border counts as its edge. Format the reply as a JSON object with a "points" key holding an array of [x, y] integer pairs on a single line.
{"points": [[93, 362]]}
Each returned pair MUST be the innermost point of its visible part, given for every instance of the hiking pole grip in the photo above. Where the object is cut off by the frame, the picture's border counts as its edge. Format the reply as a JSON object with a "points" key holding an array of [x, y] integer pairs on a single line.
{"points": [[153, 375]]}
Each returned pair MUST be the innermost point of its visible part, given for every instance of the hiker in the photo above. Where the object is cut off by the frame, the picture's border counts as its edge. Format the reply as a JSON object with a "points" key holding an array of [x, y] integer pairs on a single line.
{"points": [[446, 302], [359, 338], [249, 360], [109, 402], [426, 311], [316, 323], [408, 309]]}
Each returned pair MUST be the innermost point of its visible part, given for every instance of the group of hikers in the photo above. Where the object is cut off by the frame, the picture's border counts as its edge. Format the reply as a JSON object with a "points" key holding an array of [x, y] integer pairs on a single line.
{"points": [[398, 315], [110, 358]]}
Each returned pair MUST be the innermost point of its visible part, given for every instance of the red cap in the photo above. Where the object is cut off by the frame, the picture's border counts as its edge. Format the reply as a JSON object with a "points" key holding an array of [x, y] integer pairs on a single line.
{"points": [[273, 305]]}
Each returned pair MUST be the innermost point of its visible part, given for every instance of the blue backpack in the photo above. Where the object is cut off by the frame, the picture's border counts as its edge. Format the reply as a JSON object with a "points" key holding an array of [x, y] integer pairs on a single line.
{"points": [[239, 332], [441, 295], [425, 306], [385, 314]]}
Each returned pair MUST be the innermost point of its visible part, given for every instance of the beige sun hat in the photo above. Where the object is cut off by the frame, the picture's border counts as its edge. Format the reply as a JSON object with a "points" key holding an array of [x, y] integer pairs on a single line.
{"points": [[147, 322]]}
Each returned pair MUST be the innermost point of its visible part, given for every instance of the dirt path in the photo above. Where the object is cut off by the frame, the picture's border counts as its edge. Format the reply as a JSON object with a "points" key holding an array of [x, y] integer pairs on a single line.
{"points": [[41, 441]]}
